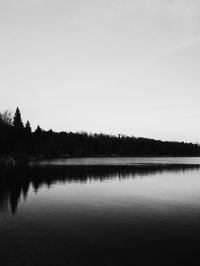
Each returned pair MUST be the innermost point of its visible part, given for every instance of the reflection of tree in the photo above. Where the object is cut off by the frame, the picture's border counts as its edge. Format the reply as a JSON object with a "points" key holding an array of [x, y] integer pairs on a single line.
{"points": [[16, 181], [14, 184]]}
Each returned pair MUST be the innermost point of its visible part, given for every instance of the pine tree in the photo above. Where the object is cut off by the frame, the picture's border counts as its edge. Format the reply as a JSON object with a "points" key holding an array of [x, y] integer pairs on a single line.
{"points": [[17, 120], [38, 130], [28, 127]]}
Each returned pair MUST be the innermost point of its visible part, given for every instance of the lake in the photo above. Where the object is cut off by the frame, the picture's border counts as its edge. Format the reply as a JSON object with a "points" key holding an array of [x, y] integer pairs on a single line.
{"points": [[100, 211]]}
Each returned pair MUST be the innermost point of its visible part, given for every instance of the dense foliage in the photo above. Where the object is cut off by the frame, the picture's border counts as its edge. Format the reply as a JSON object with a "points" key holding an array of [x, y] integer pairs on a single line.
{"points": [[18, 140]]}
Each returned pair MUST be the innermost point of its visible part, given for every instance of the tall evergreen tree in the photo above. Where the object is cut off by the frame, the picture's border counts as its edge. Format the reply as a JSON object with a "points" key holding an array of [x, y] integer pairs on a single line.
{"points": [[17, 120]]}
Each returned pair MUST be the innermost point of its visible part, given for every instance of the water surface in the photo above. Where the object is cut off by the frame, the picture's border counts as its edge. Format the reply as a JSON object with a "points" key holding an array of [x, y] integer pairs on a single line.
{"points": [[120, 161], [108, 211]]}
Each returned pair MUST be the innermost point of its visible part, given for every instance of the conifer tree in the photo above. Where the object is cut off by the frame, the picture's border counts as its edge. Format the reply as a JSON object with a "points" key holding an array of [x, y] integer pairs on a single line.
{"points": [[38, 130], [17, 120], [28, 127]]}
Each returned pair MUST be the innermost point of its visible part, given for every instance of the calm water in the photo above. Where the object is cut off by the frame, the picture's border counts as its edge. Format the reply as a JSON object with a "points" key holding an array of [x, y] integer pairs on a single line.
{"points": [[108, 211]]}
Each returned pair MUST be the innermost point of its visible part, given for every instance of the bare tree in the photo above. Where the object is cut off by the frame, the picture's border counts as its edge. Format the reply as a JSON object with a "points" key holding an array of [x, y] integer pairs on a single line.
{"points": [[6, 118]]}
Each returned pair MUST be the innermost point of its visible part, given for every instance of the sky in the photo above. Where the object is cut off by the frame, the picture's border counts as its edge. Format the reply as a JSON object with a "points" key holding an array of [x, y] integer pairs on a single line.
{"points": [[112, 66]]}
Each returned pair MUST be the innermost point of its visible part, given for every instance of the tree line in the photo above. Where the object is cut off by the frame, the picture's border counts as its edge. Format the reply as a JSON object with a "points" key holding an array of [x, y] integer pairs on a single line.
{"points": [[19, 141]]}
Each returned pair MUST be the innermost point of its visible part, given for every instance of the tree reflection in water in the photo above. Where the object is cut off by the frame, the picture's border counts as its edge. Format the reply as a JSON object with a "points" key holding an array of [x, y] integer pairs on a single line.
{"points": [[15, 182]]}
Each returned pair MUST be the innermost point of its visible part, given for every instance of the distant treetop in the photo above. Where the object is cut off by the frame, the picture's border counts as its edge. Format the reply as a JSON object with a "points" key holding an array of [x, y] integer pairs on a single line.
{"points": [[38, 130], [28, 127]]}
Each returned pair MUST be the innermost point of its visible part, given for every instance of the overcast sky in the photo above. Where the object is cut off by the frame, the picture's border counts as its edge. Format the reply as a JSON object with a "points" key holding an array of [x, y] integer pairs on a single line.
{"points": [[113, 66]]}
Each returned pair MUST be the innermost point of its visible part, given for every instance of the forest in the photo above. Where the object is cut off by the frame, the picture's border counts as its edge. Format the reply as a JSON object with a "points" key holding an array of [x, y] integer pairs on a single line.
{"points": [[19, 141]]}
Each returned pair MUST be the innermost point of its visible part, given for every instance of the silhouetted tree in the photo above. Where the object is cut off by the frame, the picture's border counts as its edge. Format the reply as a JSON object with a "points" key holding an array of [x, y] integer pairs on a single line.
{"points": [[28, 127], [17, 120], [38, 130]]}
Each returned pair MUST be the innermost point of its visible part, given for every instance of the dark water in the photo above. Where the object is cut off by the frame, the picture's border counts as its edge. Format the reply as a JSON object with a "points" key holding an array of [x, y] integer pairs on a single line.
{"points": [[101, 212]]}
